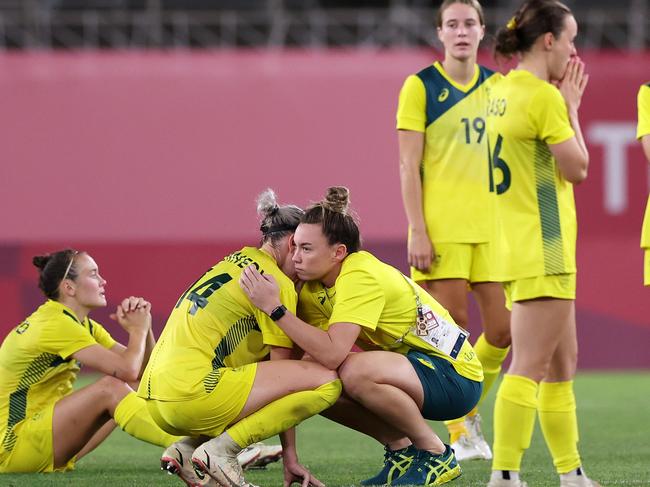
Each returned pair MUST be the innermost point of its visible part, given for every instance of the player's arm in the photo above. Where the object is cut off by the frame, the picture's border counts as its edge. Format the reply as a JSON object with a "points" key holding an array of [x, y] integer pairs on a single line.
{"points": [[411, 147], [149, 345], [134, 315], [329, 348], [572, 155]]}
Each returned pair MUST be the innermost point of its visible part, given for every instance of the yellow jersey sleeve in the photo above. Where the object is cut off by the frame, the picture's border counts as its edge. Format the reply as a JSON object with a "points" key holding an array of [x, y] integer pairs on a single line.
{"points": [[360, 299], [643, 102], [550, 120], [100, 334], [67, 337], [271, 332], [411, 108]]}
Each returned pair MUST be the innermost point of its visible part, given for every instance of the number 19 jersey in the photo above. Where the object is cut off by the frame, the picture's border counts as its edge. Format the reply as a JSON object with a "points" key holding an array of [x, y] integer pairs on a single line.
{"points": [[214, 325], [455, 167], [535, 205]]}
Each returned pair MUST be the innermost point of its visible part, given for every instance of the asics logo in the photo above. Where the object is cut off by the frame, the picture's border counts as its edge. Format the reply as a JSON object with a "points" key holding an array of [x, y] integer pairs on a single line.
{"points": [[443, 95]]}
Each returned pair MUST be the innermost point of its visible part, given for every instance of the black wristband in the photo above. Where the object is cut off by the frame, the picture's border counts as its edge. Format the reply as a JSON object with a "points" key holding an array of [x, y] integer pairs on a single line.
{"points": [[278, 312]]}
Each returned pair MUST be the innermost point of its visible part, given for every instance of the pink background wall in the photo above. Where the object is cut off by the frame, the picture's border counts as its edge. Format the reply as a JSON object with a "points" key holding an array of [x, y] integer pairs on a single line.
{"points": [[152, 161]]}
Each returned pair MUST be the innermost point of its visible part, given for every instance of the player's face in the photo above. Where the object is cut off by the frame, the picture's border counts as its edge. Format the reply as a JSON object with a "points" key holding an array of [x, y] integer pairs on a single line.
{"points": [[461, 31], [89, 285], [313, 256], [563, 49]]}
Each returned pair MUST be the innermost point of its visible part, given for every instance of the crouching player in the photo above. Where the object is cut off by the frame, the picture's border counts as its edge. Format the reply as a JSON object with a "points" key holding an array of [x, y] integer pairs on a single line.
{"points": [[208, 378]]}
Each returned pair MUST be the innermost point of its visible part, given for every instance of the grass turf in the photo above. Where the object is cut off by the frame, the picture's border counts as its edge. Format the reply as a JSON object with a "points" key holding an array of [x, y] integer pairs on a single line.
{"points": [[613, 409]]}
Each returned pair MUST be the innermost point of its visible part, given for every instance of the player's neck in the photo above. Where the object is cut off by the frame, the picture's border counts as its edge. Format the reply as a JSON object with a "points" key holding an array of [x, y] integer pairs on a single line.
{"points": [[536, 65], [460, 70], [80, 311]]}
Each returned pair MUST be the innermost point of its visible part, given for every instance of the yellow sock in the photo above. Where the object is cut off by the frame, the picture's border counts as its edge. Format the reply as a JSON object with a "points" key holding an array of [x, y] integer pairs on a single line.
{"points": [[284, 413], [514, 420], [456, 428], [491, 358], [134, 418], [557, 417]]}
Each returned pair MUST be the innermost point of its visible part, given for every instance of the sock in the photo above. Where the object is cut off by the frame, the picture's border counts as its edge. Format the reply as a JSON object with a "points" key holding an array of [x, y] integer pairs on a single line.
{"points": [[504, 475], [514, 420], [134, 418], [456, 428], [284, 413], [557, 417], [491, 358]]}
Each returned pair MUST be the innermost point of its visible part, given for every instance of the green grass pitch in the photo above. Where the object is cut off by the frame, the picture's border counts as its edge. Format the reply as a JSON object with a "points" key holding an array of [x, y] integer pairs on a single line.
{"points": [[614, 412]]}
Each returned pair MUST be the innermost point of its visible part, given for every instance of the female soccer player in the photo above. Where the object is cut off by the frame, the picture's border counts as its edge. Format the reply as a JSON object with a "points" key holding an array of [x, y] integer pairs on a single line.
{"points": [[45, 426], [421, 364], [208, 378], [448, 198], [643, 134], [538, 154]]}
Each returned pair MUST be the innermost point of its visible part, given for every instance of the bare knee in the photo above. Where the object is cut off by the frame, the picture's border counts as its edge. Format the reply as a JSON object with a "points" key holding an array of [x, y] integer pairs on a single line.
{"points": [[112, 391], [498, 337], [354, 376]]}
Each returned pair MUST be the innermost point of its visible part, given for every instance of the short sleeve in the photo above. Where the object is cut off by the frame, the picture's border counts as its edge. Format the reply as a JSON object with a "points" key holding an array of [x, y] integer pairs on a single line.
{"points": [[411, 108], [550, 116], [100, 335], [643, 103], [271, 332], [66, 337], [359, 299]]}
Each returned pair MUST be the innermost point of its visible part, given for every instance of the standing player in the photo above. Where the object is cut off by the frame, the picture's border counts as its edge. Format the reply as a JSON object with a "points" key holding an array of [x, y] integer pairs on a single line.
{"points": [[44, 425], [538, 154], [643, 134], [208, 376], [445, 176]]}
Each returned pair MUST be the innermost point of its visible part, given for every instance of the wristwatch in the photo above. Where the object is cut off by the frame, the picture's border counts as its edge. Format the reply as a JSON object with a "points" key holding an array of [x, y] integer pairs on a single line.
{"points": [[278, 312]]}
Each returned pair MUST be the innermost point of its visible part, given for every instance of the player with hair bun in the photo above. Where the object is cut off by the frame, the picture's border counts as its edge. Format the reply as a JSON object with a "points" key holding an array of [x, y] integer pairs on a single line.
{"points": [[208, 377], [44, 425], [417, 363], [538, 153]]}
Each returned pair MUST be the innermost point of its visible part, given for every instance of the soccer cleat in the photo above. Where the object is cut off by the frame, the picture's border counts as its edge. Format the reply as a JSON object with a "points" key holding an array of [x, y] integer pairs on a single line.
{"points": [[217, 458], [248, 456], [176, 460], [577, 478], [472, 446], [396, 462], [266, 454], [428, 469], [501, 478]]}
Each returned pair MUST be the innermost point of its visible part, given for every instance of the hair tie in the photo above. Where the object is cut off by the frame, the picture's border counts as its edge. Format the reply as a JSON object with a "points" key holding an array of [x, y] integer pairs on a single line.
{"points": [[512, 24]]}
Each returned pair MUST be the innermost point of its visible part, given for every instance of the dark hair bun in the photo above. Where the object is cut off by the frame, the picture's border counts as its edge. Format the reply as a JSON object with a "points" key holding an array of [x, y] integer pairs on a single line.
{"points": [[41, 261], [337, 199]]}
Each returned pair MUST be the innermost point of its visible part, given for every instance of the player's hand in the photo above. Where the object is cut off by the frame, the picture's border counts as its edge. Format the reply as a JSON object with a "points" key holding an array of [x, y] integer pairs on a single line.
{"points": [[296, 473], [133, 314], [573, 84], [261, 289], [421, 253]]}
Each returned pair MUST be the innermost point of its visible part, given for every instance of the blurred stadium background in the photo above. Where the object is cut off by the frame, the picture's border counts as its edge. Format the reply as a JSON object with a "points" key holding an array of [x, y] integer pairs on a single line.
{"points": [[142, 130]]}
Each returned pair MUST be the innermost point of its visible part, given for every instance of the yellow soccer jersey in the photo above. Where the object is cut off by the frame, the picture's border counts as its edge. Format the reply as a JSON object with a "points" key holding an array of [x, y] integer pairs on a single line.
{"points": [[455, 167], [36, 364], [535, 204], [643, 129], [377, 297], [214, 325]]}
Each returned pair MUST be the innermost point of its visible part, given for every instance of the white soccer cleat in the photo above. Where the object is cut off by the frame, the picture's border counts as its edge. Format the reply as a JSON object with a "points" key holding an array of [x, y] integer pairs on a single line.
{"points": [[267, 454], [577, 478], [218, 459], [473, 425], [497, 480], [177, 460], [249, 455]]}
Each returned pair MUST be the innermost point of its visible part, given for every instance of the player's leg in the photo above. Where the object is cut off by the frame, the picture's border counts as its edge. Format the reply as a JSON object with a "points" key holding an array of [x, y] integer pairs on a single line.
{"points": [[282, 394], [537, 326], [80, 415]]}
